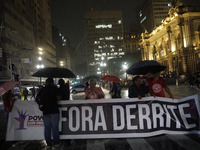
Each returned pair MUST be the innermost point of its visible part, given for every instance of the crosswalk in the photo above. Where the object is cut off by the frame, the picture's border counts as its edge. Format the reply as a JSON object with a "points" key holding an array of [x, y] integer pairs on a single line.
{"points": [[161, 142]]}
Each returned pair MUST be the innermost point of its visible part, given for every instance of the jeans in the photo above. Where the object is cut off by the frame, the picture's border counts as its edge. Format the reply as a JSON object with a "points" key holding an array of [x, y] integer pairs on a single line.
{"points": [[51, 122]]}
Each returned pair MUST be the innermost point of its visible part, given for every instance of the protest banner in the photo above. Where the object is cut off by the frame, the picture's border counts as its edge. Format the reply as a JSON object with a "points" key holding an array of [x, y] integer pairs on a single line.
{"points": [[109, 118]]}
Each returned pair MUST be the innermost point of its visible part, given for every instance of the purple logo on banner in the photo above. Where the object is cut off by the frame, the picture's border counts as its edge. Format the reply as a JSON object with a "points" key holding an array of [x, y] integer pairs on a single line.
{"points": [[21, 119]]}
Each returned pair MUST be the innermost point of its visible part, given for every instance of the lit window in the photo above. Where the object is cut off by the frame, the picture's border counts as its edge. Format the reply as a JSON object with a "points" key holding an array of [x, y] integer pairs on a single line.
{"points": [[104, 26], [112, 46], [109, 38], [110, 58]]}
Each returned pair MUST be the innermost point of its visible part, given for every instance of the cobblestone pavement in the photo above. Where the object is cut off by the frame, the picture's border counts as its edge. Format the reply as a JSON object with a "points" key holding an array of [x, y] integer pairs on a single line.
{"points": [[161, 142]]}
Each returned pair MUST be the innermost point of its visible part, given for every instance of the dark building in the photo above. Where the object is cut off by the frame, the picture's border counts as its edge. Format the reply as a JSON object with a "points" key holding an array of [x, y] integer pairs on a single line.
{"points": [[25, 38]]}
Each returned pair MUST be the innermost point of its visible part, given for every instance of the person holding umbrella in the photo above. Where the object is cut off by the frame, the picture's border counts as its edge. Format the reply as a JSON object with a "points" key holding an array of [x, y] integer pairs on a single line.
{"points": [[47, 99], [157, 85], [149, 68], [137, 89]]}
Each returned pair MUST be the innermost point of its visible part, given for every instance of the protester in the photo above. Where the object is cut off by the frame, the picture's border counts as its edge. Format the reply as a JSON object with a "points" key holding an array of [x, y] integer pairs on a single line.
{"points": [[25, 93], [93, 92], [157, 85], [115, 90], [137, 89], [119, 87], [33, 92], [86, 86], [63, 90], [8, 101], [47, 99]]}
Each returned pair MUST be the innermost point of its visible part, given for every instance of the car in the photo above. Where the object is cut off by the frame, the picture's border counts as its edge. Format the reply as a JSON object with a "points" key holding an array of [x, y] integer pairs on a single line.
{"points": [[77, 88]]}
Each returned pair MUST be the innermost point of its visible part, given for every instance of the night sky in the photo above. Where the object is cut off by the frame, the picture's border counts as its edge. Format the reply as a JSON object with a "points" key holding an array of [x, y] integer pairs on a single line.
{"points": [[68, 15]]}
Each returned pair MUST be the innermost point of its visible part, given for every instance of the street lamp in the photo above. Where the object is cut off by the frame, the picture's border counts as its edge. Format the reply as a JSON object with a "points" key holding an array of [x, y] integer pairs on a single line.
{"points": [[125, 66], [40, 52]]}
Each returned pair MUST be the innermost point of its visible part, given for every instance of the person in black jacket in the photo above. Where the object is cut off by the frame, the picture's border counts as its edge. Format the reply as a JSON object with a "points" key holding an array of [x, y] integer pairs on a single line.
{"points": [[137, 89], [64, 89], [47, 99]]}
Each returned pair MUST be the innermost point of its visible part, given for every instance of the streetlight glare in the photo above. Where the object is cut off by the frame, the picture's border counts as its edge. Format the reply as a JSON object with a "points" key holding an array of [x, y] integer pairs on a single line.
{"points": [[40, 58]]}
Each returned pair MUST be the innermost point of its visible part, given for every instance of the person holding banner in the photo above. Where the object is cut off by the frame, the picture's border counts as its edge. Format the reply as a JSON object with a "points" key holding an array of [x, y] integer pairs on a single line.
{"points": [[137, 89], [157, 85], [47, 100], [93, 92]]}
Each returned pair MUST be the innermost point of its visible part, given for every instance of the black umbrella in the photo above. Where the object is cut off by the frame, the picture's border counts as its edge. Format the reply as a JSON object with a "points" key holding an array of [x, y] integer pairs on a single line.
{"points": [[144, 67], [54, 72], [94, 77]]}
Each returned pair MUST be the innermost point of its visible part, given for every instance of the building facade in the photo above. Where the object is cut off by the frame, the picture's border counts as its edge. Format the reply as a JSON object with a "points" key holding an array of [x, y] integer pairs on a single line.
{"points": [[152, 12], [62, 47], [104, 39], [131, 40], [176, 42], [25, 38]]}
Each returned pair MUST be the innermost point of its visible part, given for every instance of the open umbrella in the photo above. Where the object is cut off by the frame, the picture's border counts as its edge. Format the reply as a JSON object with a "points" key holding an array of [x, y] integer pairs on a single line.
{"points": [[7, 86], [111, 78], [144, 67], [54, 72], [94, 77]]}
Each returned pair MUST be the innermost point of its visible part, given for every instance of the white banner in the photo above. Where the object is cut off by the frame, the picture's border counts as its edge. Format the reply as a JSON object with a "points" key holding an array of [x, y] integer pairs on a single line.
{"points": [[25, 122], [108, 118]]}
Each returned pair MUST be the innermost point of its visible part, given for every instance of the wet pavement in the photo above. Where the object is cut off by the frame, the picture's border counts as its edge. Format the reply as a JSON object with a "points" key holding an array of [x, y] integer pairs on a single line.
{"points": [[161, 142]]}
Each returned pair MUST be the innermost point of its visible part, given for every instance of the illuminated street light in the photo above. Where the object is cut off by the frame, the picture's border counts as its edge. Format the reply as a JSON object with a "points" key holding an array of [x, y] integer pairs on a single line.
{"points": [[61, 63], [39, 58], [124, 66], [40, 48]]}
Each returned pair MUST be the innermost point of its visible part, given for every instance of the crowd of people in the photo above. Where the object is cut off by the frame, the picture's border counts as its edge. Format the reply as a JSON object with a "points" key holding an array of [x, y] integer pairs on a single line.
{"points": [[48, 96]]}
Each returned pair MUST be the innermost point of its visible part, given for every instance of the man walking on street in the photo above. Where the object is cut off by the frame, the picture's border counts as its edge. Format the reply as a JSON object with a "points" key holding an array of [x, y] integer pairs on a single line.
{"points": [[47, 100]]}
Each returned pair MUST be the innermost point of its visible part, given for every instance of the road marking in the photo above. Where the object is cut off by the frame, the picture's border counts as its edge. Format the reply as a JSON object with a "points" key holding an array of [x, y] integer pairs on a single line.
{"points": [[185, 142], [139, 143], [96, 144]]}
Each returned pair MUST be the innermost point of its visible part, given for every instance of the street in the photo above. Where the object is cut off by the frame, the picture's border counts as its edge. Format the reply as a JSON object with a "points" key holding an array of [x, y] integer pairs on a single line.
{"points": [[161, 142]]}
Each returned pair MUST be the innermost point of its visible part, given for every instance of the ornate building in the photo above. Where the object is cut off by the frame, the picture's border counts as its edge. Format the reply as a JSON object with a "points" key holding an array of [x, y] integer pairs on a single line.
{"points": [[176, 42]]}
